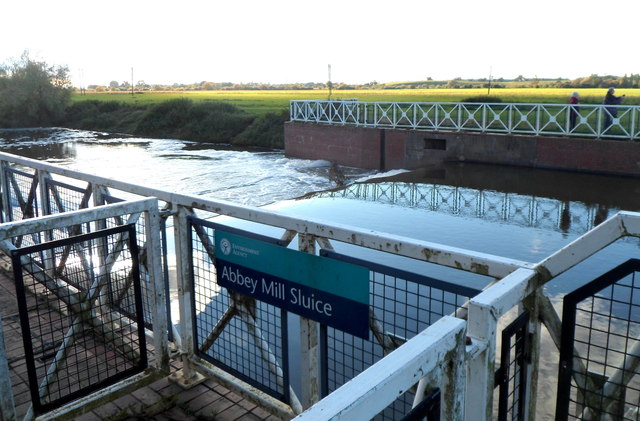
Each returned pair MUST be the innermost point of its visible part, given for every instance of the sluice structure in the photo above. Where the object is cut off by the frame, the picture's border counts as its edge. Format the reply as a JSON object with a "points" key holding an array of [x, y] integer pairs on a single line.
{"points": [[114, 281], [410, 135]]}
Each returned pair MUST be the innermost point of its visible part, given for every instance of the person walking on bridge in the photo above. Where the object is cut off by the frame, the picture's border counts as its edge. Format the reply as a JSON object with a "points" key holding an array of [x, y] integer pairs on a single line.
{"points": [[611, 112], [574, 110]]}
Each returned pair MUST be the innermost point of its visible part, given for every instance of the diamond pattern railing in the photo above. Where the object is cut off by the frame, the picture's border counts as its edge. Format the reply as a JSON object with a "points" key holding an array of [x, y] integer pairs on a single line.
{"points": [[596, 121]]}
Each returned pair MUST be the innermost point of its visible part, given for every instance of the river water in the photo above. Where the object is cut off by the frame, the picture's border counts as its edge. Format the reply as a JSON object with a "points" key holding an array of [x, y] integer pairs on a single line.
{"points": [[518, 213], [253, 178]]}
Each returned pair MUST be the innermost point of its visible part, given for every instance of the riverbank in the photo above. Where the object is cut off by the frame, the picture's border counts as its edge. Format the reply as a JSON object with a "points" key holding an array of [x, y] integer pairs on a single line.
{"points": [[181, 118], [256, 118]]}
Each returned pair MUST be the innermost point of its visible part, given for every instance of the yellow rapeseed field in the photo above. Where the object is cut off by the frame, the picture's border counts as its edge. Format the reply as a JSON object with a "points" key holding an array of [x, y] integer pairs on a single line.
{"points": [[260, 102]]}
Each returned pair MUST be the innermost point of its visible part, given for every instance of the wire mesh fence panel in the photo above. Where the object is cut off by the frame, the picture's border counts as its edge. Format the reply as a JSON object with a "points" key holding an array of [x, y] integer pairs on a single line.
{"points": [[600, 349], [22, 201], [22, 194], [511, 376], [62, 197], [239, 334], [75, 339], [402, 304], [127, 300]]}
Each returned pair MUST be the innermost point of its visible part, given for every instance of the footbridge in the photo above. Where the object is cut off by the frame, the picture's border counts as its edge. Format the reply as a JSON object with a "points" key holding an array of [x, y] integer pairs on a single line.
{"points": [[391, 135], [95, 261]]}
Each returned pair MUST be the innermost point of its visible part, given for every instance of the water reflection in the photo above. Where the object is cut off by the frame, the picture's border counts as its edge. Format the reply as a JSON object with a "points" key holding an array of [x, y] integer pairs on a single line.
{"points": [[559, 201], [492, 206]]}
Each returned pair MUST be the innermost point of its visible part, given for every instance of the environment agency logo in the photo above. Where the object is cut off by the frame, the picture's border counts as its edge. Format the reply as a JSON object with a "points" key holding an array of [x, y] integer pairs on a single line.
{"points": [[225, 246]]}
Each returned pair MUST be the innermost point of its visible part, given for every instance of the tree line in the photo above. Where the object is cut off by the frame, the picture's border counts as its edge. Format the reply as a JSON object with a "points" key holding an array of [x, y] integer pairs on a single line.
{"points": [[34, 93], [592, 81]]}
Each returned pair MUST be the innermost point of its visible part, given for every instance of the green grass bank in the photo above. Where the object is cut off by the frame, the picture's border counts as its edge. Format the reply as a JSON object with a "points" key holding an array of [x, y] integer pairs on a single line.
{"points": [[256, 118]]}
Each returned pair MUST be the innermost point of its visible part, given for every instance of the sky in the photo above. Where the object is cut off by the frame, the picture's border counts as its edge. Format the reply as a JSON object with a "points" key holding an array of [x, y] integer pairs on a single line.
{"points": [[291, 41]]}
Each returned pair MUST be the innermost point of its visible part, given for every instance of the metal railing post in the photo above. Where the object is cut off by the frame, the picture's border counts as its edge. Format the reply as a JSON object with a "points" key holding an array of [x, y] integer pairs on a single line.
{"points": [[45, 206], [394, 123], [42, 192], [364, 119], [309, 343], [484, 117], [454, 381], [482, 330], [632, 131], [375, 115], [532, 305], [154, 265], [6, 203], [187, 377], [510, 124]]}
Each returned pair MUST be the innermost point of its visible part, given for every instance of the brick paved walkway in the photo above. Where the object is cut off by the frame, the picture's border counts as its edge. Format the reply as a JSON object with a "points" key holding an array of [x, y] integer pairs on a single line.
{"points": [[164, 400]]}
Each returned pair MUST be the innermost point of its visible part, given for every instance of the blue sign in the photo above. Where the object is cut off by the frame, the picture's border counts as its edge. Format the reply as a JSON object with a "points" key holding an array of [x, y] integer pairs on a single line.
{"points": [[328, 291]]}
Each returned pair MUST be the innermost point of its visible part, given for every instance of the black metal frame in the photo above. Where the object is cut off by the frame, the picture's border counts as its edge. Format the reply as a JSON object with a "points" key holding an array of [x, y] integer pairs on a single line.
{"points": [[109, 199], [505, 378], [284, 393], [403, 274], [32, 197], [50, 184], [83, 202], [138, 366], [428, 408], [367, 350], [568, 337]]}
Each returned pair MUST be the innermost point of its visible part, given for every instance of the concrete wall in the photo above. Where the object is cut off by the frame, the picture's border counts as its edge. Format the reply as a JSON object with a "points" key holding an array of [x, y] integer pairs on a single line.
{"points": [[386, 149]]}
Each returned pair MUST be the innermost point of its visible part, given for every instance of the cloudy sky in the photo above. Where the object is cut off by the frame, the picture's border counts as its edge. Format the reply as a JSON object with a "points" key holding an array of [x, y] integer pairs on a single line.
{"points": [[277, 41]]}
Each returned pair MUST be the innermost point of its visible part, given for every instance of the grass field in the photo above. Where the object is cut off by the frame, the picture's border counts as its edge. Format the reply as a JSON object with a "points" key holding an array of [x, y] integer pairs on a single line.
{"points": [[261, 102]]}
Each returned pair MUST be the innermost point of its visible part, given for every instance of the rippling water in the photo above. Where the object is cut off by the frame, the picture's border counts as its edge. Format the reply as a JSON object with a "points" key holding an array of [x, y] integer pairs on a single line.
{"points": [[254, 178]]}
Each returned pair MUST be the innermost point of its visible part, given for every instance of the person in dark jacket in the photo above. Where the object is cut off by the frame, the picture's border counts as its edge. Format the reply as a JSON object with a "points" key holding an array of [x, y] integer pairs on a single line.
{"points": [[611, 112], [574, 112]]}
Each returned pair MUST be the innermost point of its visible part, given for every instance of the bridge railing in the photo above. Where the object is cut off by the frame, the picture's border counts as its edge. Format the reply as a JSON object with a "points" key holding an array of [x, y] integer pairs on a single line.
{"points": [[584, 120], [434, 354], [243, 341]]}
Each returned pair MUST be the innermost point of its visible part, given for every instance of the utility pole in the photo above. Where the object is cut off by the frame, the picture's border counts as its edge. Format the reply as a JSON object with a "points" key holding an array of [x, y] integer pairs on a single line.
{"points": [[132, 82], [82, 89], [329, 83], [489, 86]]}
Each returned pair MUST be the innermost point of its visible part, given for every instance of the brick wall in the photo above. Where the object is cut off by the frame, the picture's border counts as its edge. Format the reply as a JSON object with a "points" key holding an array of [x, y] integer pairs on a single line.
{"points": [[410, 149]]}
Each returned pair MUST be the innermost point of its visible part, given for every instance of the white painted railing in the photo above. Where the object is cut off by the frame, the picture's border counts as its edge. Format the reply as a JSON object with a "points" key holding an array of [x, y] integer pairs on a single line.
{"points": [[369, 393], [592, 121], [437, 357], [365, 395]]}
